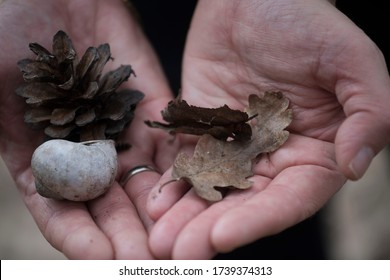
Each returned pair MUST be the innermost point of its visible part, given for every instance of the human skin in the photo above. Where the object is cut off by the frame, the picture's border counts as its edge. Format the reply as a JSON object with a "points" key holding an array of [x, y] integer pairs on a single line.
{"points": [[334, 76], [339, 90], [114, 226]]}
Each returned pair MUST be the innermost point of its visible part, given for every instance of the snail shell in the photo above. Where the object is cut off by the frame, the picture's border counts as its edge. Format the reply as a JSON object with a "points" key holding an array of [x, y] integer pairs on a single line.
{"points": [[74, 171]]}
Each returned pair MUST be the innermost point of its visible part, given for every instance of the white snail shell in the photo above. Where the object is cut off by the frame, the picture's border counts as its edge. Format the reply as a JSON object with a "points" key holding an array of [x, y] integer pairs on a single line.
{"points": [[74, 171]]}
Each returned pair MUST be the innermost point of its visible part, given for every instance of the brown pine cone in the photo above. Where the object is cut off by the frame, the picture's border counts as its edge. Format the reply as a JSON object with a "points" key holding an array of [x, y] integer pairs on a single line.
{"points": [[71, 99]]}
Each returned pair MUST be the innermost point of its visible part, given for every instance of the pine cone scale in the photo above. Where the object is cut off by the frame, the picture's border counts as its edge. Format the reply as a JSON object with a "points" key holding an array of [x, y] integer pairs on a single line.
{"points": [[61, 132], [42, 54], [113, 79], [68, 84], [89, 58], [37, 94], [61, 116], [63, 48], [86, 117], [91, 91], [37, 117], [96, 69], [36, 71], [95, 131]]}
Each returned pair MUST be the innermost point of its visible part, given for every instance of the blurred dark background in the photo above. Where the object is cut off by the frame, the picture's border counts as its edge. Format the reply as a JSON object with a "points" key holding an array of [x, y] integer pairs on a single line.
{"points": [[372, 17], [166, 24]]}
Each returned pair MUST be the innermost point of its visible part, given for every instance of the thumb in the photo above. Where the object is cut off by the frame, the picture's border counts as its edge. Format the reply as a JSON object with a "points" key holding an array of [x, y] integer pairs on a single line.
{"points": [[366, 130]]}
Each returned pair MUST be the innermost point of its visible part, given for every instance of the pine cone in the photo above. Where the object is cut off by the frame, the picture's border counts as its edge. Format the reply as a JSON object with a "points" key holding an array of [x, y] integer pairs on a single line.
{"points": [[71, 99]]}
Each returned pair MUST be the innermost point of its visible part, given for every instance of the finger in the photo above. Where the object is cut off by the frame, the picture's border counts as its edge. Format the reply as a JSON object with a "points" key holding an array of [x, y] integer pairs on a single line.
{"points": [[165, 194], [166, 229], [66, 225], [298, 150], [138, 187], [115, 214], [295, 194], [363, 135], [194, 240], [168, 191], [142, 153], [365, 96]]}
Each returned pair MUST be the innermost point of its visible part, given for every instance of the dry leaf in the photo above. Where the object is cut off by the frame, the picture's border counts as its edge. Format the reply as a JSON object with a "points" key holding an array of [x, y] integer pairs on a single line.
{"points": [[220, 164], [221, 123]]}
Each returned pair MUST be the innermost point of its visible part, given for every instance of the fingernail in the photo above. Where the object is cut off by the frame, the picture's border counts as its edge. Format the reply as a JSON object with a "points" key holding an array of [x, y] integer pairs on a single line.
{"points": [[361, 161]]}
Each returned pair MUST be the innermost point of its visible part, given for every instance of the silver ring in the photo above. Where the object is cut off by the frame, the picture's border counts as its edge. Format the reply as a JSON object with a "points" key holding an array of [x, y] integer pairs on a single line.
{"points": [[136, 170]]}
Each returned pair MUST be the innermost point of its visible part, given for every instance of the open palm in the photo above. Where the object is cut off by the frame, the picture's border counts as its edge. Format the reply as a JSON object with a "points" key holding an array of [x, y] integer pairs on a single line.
{"points": [[113, 226], [338, 87]]}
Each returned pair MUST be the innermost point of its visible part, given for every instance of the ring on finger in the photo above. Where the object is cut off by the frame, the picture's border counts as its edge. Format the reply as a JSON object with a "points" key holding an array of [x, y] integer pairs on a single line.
{"points": [[136, 170]]}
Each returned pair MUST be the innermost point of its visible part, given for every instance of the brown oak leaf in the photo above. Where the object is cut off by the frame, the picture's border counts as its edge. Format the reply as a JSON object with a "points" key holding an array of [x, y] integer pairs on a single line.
{"points": [[220, 164], [222, 122]]}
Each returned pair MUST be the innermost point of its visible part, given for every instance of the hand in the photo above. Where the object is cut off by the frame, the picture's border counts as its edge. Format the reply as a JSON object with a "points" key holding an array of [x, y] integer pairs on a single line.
{"points": [[338, 86], [114, 225]]}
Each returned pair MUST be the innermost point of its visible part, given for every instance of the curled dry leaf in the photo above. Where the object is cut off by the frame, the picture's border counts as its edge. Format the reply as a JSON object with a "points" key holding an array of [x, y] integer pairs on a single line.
{"points": [[222, 122], [221, 164]]}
